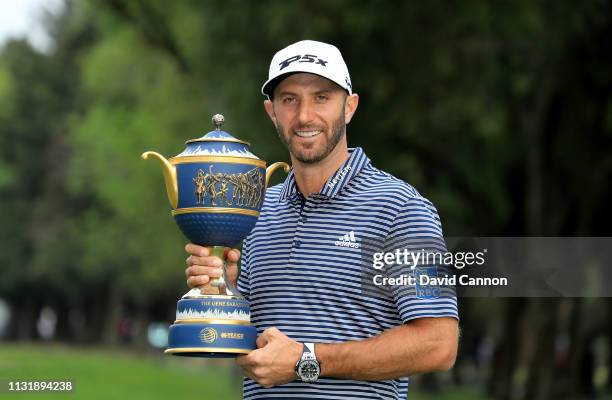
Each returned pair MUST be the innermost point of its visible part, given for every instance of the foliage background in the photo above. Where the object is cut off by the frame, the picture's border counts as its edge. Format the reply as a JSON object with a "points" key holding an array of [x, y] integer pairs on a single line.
{"points": [[500, 113]]}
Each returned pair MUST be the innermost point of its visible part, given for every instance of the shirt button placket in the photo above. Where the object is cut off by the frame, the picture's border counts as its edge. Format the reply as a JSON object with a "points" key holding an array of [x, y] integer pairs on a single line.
{"points": [[297, 243]]}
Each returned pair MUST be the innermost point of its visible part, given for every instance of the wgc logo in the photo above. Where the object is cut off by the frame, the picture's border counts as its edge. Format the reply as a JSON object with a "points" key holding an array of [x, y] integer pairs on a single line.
{"points": [[208, 335]]}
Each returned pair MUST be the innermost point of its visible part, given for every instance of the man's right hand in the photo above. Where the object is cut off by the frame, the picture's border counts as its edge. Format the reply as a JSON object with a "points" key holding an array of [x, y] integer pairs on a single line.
{"points": [[202, 267]]}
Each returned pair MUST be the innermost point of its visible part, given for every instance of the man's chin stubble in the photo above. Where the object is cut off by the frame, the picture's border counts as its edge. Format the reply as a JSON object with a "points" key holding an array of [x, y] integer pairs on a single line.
{"points": [[338, 131]]}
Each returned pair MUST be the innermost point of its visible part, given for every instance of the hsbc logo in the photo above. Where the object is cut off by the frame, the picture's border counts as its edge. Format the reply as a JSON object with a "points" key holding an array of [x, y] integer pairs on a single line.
{"points": [[306, 58]]}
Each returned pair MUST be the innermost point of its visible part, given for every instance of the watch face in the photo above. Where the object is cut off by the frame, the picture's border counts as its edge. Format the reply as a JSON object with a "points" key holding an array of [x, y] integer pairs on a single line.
{"points": [[308, 370]]}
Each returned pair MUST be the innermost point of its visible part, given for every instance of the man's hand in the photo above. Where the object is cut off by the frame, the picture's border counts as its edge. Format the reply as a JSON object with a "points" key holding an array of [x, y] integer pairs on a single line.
{"points": [[201, 266], [273, 363]]}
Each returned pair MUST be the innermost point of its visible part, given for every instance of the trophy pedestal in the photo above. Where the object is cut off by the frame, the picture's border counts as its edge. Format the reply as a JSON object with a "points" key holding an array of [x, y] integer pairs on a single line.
{"points": [[212, 326]]}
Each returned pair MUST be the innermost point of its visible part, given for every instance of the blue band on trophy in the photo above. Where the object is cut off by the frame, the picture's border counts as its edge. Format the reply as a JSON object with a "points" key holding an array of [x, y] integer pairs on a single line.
{"points": [[218, 184], [193, 339]]}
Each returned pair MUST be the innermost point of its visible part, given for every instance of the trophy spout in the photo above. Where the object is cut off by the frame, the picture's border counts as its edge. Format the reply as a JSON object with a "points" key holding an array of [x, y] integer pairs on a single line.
{"points": [[169, 171], [270, 170]]}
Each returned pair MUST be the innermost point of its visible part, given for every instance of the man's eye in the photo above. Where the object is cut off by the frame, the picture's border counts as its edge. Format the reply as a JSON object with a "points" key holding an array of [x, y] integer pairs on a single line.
{"points": [[288, 100], [322, 98]]}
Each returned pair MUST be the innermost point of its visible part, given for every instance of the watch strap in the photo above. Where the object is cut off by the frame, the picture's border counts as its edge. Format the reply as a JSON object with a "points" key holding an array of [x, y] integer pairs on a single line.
{"points": [[309, 352]]}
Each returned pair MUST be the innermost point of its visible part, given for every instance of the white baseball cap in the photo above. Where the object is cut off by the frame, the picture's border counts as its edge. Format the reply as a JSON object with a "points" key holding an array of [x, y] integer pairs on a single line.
{"points": [[308, 56]]}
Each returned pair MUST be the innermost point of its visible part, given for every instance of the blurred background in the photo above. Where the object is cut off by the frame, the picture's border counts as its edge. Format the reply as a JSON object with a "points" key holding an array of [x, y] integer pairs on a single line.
{"points": [[499, 112]]}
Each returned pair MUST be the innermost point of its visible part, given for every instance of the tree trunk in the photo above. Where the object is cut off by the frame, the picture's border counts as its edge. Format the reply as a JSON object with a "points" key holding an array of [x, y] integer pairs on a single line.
{"points": [[507, 350], [544, 319], [114, 314], [609, 334], [570, 368], [25, 318]]}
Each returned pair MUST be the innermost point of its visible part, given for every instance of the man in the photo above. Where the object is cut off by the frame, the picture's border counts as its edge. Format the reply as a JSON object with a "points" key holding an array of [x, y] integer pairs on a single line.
{"points": [[319, 334]]}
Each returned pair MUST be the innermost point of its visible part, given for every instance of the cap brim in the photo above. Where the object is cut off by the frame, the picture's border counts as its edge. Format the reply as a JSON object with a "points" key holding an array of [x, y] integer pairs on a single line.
{"points": [[268, 88]]}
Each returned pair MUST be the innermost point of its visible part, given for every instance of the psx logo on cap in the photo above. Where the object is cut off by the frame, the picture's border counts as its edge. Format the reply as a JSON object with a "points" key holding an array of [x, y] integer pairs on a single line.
{"points": [[311, 57], [305, 58]]}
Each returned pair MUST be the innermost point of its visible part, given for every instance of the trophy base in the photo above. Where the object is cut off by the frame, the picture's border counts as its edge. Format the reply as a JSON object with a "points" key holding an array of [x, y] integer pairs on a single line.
{"points": [[211, 326], [212, 340]]}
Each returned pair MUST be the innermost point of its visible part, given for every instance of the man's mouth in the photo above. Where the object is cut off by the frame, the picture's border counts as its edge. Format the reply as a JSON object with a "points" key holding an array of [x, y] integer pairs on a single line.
{"points": [[307, 134]]}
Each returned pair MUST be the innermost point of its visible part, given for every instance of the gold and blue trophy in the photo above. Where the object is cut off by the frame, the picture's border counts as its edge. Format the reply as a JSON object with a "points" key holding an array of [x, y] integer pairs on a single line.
{"points": [[216, 187]]}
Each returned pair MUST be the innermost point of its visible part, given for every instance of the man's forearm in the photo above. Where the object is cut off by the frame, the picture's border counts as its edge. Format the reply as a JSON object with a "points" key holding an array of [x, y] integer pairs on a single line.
{"points": [[423, 345]]}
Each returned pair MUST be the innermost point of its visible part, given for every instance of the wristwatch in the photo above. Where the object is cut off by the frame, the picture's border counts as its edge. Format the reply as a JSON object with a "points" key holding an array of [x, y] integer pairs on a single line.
{"points": [[308, 368]]}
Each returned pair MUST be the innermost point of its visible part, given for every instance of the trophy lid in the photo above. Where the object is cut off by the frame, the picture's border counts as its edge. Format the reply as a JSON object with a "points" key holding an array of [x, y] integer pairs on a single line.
{"points": [[217, 143]]}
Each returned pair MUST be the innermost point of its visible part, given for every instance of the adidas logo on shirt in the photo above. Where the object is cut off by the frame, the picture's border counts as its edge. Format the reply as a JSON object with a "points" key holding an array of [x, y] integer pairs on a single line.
{"points": [[347, 240]]}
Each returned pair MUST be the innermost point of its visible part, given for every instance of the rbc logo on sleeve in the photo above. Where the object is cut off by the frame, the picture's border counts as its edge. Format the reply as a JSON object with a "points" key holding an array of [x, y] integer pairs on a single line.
{"points": [[426, 284]]}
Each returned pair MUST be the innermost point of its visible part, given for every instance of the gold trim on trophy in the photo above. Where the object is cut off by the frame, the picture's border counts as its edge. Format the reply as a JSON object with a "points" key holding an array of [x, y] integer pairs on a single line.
{"points": [[207, 350], [219, 210], [212, 321], [217, 159], [210, 296]]}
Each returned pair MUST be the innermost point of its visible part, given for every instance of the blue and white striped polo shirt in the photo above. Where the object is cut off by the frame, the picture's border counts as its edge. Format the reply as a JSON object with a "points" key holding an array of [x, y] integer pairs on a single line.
{"points": [[301, 269]]}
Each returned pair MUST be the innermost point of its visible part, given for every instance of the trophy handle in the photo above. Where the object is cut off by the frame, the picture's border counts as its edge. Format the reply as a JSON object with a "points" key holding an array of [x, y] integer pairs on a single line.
{"points": [[270, 170], [169, 171]]}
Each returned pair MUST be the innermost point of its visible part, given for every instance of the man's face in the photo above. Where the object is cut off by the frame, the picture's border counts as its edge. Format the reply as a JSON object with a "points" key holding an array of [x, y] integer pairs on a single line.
{"points": [[310, 115]]}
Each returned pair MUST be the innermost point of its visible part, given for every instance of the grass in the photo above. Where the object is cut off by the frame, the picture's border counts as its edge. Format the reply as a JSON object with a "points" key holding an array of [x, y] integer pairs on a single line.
{"points": [[103, 373], [448, 394], [114, 374]]}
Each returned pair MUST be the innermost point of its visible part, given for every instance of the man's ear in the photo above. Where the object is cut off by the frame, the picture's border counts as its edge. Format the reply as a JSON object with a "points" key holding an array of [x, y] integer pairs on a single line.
{"points": [[269, 106], [350, 106]]}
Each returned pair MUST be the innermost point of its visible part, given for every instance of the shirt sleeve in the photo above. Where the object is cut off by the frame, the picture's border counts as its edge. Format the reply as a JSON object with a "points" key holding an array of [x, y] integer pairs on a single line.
{"points": [[244, 286], [417, 229]]}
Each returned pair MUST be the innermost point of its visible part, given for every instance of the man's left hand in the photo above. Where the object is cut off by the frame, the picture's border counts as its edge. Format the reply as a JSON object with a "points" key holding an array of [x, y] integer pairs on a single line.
{"points": [[273, 363]]}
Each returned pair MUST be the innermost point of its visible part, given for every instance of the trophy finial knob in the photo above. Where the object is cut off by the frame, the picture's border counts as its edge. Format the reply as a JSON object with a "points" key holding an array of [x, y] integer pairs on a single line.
{"points": [[218, 120]]}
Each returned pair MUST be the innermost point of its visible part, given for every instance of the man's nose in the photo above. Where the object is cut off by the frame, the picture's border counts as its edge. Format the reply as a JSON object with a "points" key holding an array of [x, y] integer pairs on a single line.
{"points": [[305, 113]]}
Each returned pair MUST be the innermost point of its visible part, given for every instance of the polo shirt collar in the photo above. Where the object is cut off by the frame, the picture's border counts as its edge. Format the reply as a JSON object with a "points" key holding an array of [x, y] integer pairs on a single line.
{"points": [[355, 163]]}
